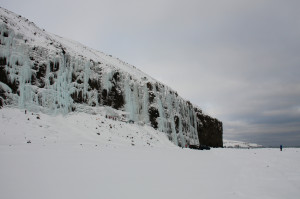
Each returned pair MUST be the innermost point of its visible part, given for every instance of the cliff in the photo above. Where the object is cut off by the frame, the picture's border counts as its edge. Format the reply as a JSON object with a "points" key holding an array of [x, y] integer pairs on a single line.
{"points": [[43, 72]]}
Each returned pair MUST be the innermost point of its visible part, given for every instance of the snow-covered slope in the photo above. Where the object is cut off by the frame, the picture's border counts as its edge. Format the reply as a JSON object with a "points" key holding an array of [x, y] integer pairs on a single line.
{"points": [[42, 72], [22, 127]]}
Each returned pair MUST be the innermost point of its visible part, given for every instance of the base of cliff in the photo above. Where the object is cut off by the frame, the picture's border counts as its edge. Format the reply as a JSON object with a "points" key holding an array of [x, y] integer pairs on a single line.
{"points": [[22, 127]]}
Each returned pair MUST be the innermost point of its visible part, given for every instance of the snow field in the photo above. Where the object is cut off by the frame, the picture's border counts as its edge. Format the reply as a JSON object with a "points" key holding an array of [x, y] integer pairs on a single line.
{"points": [[68, 159], [32, 171]]}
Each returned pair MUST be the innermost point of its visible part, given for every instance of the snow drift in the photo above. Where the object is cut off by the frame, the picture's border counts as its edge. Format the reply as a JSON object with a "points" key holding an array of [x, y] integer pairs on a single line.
{"points": [[43, 72]]}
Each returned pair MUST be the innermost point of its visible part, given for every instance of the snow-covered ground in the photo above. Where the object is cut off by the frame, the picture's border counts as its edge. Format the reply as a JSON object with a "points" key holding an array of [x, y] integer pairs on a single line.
{"points": [[68, 159], [76, 128]]}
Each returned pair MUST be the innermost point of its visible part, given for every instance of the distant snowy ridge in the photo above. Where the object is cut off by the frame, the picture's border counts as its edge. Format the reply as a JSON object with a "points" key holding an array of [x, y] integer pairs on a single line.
{"points": [[239, 144], [42, 72]]}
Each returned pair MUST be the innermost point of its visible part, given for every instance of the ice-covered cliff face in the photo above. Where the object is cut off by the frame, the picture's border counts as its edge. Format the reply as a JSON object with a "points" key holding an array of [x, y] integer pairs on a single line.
{"points": [[44, 72]]}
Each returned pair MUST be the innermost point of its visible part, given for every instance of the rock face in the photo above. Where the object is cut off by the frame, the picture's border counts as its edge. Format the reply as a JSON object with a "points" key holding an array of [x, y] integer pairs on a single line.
{"points": [[44, 72]]}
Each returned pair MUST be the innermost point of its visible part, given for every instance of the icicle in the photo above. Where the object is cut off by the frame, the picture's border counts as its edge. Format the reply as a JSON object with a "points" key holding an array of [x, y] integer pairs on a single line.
{"points": [[183, 142], [191, 127], [135, 102], [161, 123], [195, 129], [106, 80], [87, 72], [171, 119], [181, 136], [130, 105], [25, 91], [145, 108]]}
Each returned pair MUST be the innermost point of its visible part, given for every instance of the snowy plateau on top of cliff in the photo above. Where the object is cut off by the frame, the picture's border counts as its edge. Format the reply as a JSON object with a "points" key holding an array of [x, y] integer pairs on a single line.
{"points": [[42, 72]]}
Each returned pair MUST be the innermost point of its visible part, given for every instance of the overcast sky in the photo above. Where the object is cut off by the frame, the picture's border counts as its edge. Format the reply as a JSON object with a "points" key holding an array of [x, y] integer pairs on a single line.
{"points": [[239, 60]]}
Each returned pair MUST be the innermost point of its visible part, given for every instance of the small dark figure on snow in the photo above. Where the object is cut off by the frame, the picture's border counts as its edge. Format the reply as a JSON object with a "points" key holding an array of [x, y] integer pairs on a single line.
{"points": [[280, 147]]}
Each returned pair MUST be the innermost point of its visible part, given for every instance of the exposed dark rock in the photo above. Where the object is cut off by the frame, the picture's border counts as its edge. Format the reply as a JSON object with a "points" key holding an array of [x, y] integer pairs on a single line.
{"points": [[210, 131], [79, 81], [54, 66], [2, 97], [117, 98], [2, 93], [35, 65], [157, 87], [149, 86], [51, 80], [104, 94], [5, 34], [94, 84], [4, 78], [151, 97], [3, 61], [176, 121], [41, 73], [153, 115], [116, 77], [33, 79], [113, 98], [78, 97], [74, 77]]}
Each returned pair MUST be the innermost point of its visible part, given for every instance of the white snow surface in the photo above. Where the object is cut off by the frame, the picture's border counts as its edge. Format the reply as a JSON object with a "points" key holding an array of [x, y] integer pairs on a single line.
{"points": [[75, 128], [68, 159]]}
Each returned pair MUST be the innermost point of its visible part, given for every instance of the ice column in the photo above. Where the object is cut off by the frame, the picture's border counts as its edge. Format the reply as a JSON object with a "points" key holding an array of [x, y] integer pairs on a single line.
{"points": [[161, 123], [107, 76], [86, 78], [191, 127], [171, 118], [62, 88], [181, 136], [136, 102], [145, 105], [195, 129], [130, 105], [25, 90]]}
